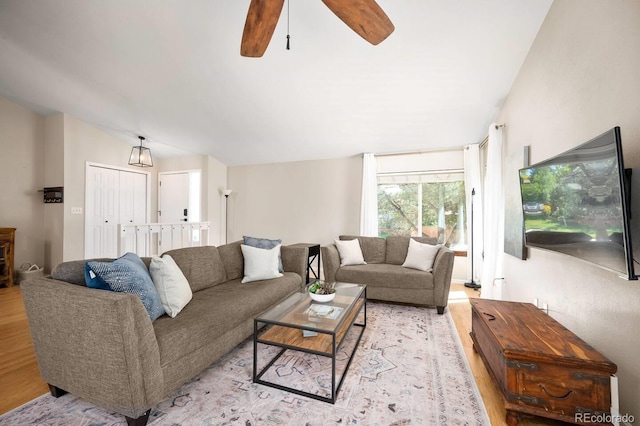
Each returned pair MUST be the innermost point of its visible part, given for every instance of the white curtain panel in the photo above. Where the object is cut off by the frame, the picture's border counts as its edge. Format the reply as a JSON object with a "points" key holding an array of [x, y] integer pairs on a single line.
{"points": [[493, 218], [369, 202], [473, 180]]}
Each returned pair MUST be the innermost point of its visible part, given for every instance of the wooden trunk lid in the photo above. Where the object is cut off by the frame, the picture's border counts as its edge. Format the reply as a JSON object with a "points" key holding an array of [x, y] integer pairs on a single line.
{"points": [[526, 336]]}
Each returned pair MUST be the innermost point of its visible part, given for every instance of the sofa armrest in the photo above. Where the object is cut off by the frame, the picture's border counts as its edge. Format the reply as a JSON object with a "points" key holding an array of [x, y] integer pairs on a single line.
{"points": [[330, 262], [295, 259], [442, 270], [98, 345]]}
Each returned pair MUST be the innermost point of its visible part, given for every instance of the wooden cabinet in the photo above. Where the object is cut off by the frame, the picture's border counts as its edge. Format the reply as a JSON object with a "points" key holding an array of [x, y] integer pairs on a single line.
{"points": [[7, 245], [540, 367]]}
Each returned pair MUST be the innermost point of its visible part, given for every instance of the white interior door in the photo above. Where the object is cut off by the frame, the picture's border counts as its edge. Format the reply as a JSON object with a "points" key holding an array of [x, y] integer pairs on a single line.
{"points": [[102, 212], [173, 197]]}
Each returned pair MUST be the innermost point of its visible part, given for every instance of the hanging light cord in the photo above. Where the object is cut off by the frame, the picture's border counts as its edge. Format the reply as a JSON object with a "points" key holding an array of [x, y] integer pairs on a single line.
{"points": [[288, 37]]}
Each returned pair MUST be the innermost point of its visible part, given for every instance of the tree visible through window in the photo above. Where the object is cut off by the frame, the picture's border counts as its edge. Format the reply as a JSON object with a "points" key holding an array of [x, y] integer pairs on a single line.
{"points": [[428, 209]]}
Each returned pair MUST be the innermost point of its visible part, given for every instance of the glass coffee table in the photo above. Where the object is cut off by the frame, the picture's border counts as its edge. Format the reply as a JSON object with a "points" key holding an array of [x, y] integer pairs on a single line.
{"points": [[326, 333]]}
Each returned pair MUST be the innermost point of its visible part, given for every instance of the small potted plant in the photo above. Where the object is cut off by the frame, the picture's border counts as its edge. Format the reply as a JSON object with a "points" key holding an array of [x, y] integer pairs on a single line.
{"points": [[321, 291]]}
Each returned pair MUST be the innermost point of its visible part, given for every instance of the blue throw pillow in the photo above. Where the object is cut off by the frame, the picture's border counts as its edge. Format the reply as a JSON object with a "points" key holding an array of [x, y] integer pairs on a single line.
{"points": [[264, 243], [127, 274]]}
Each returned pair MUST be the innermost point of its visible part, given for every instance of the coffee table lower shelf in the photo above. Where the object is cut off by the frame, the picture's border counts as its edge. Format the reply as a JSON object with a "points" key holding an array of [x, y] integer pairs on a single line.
{"points": [[289, 337]]}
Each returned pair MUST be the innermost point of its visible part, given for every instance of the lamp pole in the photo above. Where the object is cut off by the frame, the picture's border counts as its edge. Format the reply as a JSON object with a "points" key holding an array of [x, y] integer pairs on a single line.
{"points": [[226, 193], [472, 284]]}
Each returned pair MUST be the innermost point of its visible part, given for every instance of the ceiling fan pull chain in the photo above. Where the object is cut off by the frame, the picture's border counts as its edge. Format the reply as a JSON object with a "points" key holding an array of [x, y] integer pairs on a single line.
{"points": [[288, 37]]}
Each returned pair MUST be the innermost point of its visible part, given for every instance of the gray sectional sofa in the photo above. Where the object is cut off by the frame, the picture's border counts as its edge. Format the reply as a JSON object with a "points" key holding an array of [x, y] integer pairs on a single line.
{"points": [[102, 346], [384, 275]]}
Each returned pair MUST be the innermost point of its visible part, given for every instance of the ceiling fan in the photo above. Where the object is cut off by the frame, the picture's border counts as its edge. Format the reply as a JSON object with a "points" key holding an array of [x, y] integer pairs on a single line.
{"points": [[365, 17]]}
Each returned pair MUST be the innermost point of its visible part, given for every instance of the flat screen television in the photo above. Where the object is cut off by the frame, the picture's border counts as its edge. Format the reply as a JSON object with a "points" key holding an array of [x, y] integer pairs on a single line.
{"points": [[578, 203]]}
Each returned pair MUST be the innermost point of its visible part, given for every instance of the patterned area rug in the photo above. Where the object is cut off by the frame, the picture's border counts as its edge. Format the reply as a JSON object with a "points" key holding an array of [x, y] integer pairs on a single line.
{"points": [[409, 368]]}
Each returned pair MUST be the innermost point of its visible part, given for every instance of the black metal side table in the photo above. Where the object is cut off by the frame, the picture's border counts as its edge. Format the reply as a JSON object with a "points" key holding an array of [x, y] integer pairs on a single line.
{"points": [[314, 254]]}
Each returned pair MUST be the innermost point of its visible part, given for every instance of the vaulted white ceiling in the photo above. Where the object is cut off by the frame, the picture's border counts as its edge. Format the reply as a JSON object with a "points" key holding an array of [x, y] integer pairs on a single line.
{"points": [[171, 70]]}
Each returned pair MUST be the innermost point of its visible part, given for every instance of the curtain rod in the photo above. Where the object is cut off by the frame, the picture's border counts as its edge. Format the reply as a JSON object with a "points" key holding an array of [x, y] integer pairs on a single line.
{"points": [[447, 149], [392, 154], [425, 172]]}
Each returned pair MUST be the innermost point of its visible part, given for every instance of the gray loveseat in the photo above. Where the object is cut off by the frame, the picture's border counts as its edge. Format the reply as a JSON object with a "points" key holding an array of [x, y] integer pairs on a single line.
{"points": [[384, 275], [102, 346]]}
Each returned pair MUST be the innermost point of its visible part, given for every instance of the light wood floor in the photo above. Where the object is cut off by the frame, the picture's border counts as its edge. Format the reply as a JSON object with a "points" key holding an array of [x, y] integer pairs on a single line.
{"points": [[20, 379]]}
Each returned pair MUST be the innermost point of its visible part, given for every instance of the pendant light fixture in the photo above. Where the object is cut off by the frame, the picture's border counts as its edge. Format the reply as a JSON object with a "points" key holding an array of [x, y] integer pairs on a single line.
{"points": [[140, 156]]}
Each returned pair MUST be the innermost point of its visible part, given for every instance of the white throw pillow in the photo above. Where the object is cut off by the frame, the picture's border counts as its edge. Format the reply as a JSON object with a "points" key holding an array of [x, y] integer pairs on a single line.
{"points": [[172, 285], [420, 256], [350, 252], [259, 263]]}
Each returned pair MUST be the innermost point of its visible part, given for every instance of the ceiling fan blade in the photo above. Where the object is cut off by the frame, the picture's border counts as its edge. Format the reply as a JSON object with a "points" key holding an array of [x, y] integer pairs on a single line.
{"points": [[262, 19], [365, 17]]}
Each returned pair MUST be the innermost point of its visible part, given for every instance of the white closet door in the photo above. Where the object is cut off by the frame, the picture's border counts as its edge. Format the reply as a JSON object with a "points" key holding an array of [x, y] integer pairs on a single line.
{"points": [[140, 198], [113, 197], [133, 197], [127, 197], [137, 210], [103, 203]]}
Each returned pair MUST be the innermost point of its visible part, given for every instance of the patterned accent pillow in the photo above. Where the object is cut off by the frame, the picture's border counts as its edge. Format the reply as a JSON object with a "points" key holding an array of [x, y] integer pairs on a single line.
{"points": [[264, 243], [127, 274]]}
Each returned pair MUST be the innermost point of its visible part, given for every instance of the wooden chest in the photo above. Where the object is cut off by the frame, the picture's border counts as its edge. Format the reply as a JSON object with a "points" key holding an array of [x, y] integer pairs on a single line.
{"points": [[541, 367]]}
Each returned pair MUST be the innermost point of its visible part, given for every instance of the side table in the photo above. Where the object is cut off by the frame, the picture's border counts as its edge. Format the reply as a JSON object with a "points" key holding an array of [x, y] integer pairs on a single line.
{"points": [[314, 254]]}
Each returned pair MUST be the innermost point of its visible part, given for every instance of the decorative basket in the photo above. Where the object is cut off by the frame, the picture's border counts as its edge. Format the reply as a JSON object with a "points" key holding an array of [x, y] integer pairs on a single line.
{"points": [[27, 271]]}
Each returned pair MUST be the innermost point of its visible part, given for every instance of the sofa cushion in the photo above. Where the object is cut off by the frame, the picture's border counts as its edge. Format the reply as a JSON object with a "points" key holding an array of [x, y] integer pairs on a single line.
{"points": [[202, 266], [172, 285], [231, 255], [420, 256], [350, 252], [214, 311], [260, 264], [384, 275], [373, 248], [398, 246]]}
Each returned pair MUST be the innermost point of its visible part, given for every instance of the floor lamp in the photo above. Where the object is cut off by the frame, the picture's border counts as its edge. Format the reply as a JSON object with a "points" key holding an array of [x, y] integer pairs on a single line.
{"points": [[226, 193], [472, 284]]}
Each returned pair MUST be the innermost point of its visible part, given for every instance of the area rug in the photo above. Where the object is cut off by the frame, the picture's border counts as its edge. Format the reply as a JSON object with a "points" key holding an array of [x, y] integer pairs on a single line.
{"points": [[409, 369]]}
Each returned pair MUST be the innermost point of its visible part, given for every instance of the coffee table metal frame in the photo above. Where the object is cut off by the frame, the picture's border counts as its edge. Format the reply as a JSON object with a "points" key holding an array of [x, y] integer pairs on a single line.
{"points": [[341, 327]]}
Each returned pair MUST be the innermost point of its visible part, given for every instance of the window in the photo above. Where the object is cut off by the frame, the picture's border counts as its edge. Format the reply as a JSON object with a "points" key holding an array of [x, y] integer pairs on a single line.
{"points": [[423, 204]]}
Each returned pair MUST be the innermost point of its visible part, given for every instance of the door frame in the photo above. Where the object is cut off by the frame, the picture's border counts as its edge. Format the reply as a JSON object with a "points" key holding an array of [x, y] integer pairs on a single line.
{"points": [[86, 192]]}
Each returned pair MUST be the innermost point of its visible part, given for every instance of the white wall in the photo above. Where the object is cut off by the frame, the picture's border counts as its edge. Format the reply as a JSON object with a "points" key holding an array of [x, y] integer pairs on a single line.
{"points": [[216, 182], [301, 202], [298, 202], [21, 158], [580, 79], [53, 176], [84, 143], [38, 152]]}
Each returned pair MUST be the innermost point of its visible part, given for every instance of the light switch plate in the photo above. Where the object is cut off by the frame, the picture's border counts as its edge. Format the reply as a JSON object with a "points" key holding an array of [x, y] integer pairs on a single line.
{"points": [[76, 210]]}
